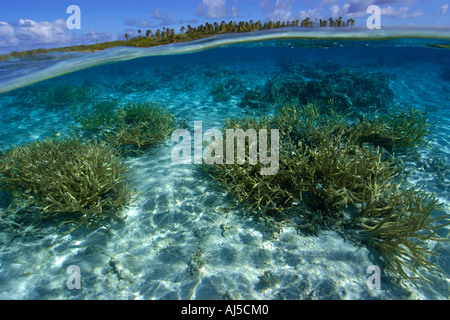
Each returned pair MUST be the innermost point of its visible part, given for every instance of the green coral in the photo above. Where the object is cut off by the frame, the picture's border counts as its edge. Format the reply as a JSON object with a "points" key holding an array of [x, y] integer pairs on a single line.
{"points": [[325, 168], [102, 115], [66, 95], [398, 129], [134, 125], [86, 180]]}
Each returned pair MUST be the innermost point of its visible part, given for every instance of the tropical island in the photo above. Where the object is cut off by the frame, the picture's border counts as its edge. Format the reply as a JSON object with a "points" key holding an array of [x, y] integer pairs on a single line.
{"points": [[159, 37]]}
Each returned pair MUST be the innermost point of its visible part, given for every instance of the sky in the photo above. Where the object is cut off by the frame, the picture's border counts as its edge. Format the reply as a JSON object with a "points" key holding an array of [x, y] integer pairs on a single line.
{"points": [[30, 24]]}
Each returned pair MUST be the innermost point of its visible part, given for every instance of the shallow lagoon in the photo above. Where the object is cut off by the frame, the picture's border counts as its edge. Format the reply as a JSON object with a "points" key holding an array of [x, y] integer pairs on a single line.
{"points": [[185, 238]]}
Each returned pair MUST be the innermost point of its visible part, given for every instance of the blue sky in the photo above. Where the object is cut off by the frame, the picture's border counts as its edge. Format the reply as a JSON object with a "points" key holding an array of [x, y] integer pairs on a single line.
{"points": [[27, 24]]}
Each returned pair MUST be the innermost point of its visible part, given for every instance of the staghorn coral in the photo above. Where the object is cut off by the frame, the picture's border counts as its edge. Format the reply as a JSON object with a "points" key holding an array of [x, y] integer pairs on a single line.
{"points": [[128, 127], [401, 225], [85, 180], [398, 129], [141, 124], [65, 95], [102, 115], [325, 170]]}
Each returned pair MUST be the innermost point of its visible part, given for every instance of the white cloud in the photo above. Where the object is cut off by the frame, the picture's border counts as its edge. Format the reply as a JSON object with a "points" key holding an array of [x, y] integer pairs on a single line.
{"points": [[28, 34], [6, 35], [401, 13], [212, 8], [311, 13], [164, 19], [358, 8], [157, 14], [234, 11], [130, 22], [42, 32], [144, 24], [280, 11], [327, 2], [442, 10], [334, 10]]}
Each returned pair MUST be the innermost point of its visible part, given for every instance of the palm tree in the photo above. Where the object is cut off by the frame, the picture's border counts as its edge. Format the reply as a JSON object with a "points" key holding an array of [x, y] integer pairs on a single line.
{"points": [[126, 36], [305, 22], [148, 33], [331, 22]]}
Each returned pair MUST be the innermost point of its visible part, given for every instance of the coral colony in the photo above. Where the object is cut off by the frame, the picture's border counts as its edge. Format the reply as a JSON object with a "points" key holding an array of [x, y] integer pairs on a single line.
{"points": [[327, 166], [315, 157], [214, 150]]}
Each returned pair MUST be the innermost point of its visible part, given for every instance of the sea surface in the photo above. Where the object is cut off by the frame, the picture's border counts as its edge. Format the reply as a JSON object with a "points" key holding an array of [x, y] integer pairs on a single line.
{"points": [[184, 237]]}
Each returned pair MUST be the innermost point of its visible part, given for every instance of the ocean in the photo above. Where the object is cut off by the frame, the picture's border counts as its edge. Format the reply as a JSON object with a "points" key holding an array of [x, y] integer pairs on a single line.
{"points": [[184, 236]]}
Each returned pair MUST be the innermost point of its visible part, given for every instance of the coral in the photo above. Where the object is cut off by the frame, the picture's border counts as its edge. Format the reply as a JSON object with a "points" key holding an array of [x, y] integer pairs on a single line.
{"points": [[220, 94], [132, 85], [400, 224], [350, 90], [324, 170], [142, 124], [222, 97], [223, 90], [254, 99], [131, 126], [63, 95], [398, 129], [235, 86], [103, 114], [85, 180]]}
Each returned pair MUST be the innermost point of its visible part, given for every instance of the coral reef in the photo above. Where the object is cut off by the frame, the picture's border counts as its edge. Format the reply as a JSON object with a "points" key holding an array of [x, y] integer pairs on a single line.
{"points": [[219, 93], [398, 129], [64, 95], [128, 127], [254, 99], [132, 85], [331, 178], [103, 115], [84, 180], [350, 90], [222, 91]]}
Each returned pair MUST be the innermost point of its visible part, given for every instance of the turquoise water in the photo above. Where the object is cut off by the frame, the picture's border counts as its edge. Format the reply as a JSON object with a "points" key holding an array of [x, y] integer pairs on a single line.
{"points": [[184, 238]]}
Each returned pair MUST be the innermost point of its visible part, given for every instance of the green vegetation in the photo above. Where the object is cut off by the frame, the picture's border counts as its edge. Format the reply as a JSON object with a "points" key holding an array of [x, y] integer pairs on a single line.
{"points": [[396, 130], [65, 95], [128, 127], [189, 33], [334, 175], [85, 180]]}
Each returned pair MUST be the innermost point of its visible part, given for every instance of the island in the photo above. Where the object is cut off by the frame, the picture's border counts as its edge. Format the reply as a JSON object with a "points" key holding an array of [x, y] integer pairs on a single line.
{"points": [[151, 38]]}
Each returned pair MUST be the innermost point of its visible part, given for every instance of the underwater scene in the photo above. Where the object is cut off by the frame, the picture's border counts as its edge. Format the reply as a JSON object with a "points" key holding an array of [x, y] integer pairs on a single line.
{"points": [[270, 166]]}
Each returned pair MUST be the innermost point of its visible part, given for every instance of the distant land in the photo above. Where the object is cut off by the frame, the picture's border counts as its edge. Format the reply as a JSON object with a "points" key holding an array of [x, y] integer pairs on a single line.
{"points": [[165, 36]]}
